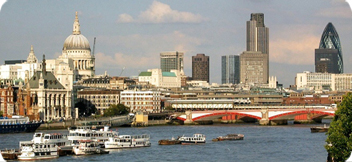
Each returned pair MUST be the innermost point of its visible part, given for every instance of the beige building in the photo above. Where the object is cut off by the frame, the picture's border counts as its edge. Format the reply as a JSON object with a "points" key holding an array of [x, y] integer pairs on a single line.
{"points": [[102, 99], [254, 67], [324, 81], [158, 78], [144, 101]]}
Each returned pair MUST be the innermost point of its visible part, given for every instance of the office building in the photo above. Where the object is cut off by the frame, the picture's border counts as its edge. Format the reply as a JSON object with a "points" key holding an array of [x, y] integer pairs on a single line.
{"points": [[255, 61], [200, 67], [253, 67], [172, 60], [230, 69], [328, 58]]}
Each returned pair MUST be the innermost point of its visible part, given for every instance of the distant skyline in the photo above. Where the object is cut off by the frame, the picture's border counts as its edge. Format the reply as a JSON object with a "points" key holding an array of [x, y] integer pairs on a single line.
{"points": [[132, 34]]}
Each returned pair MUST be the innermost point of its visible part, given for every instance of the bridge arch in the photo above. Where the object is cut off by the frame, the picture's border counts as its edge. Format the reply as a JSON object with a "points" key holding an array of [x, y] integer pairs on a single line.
{"points": [[224, 113], [302, 112]]}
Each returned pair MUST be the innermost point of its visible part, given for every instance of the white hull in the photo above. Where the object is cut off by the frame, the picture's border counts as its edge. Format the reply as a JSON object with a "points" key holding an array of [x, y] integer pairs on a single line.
{"points": [[114, 145], [38, 157]]}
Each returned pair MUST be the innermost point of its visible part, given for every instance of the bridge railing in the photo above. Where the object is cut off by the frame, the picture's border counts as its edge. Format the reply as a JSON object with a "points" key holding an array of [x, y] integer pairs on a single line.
{"points": [[247, 107]]}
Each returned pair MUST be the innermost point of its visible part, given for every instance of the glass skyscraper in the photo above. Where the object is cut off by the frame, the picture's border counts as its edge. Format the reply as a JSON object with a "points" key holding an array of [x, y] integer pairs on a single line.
{"points": [[328, 58], [230, 69]]}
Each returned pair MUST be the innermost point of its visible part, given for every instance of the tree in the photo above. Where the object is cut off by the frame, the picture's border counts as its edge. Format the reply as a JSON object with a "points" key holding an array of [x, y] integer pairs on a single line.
{"points": [[1, 113], [85, 109], [339, 140], [118, 109]]}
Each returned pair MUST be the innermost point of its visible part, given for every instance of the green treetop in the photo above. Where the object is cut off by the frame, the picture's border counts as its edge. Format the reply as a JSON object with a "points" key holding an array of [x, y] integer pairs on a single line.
{"points": [[339, 140]]}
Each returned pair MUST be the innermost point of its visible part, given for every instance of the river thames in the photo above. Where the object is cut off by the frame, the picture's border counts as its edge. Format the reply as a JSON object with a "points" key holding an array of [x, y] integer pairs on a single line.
{"points": [[291, 143]]}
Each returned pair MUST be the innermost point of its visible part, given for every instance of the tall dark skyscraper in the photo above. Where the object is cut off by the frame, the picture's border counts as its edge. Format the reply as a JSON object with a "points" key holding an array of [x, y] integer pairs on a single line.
{"points": [[255, 61], [200, 67], [230, 69], [328, 58]]}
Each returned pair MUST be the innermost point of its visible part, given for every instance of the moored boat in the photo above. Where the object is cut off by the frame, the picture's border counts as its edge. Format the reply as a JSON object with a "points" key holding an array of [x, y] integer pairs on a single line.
{"points": [[229, 137], [90, 133], [127, 141], [18, 124], [319, 129], [38, 151], [171, 141], [88, 147], [195, 139], [10, 154]]}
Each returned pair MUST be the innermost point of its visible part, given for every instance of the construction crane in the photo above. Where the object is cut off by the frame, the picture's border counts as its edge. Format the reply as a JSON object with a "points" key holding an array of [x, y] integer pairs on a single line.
{"points": [[122, 71], [94, 47]]}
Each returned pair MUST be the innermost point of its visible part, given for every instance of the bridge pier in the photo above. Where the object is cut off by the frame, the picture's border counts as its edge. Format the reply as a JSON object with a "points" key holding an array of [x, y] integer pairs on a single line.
{"points": [[264, 122], [265, 119], [188, 118], [278, 122]]}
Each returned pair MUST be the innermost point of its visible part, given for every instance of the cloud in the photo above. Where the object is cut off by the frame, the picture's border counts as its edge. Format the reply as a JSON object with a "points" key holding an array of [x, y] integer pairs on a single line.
{"points": [[123, 60], [161, 13], [340, 11], [295, 47]]}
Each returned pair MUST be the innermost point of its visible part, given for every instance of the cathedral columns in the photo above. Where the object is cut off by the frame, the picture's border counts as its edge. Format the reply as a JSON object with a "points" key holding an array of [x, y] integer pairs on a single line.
{"points": [[62, 105]]}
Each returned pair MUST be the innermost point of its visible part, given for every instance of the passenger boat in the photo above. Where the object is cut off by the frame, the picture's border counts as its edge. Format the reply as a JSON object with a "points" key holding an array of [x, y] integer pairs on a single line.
{"points": [[38, 151], [229, 137], [127, 141], [64, 145], [171, 141], [319, 129], [18, 124], [90, 133], [88, 147], [195, 139], [10, 154]]}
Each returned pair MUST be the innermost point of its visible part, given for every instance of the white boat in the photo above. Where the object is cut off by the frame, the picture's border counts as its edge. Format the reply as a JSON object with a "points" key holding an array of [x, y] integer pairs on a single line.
{"points": [[87, 147], [64, 145], [195, 139], [127, 141], [90, 133], [38, 151]]}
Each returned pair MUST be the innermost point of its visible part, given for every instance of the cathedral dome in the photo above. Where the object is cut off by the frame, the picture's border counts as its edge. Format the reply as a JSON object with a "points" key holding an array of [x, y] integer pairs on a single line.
{"points": [[76, 40]]}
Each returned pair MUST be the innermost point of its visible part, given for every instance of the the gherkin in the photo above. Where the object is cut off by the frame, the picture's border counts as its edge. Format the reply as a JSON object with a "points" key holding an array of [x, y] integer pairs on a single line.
{"points": [[330, 40]]}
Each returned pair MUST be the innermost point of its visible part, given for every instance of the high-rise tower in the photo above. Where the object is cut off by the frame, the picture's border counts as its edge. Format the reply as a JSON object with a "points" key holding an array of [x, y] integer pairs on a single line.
{"points": [[200, 67], [172, 60], [230, 69], [328, 58], [255, 61]]}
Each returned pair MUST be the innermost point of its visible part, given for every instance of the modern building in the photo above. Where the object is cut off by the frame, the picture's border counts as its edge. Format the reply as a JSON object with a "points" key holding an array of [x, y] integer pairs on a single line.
{"points": [[254, 67], [324, 81], [142, 101], [200, 67], [326, 61], [158, 78], [230, 69], [328, 58], [172, 60], [257, 34]]}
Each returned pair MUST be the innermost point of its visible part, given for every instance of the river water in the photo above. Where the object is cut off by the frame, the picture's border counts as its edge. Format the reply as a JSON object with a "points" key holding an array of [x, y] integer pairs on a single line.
{"points": [[291, 143]]}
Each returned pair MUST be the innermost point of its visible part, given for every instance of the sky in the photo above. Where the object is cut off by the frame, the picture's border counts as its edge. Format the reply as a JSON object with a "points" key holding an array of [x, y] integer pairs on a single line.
{"points": [[131, 34]]}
